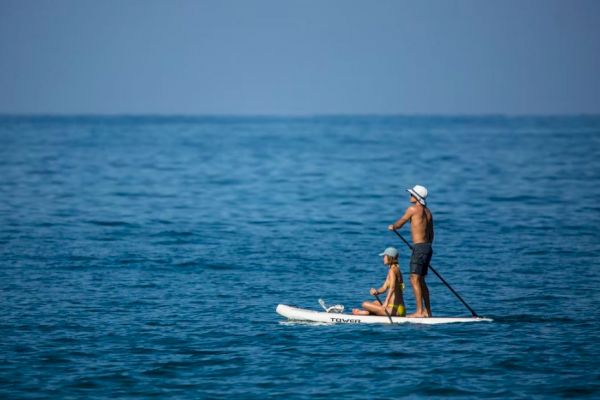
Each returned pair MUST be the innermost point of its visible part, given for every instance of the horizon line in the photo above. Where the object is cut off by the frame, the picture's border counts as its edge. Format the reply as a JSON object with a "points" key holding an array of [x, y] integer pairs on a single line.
{"points": [[289, 116]]}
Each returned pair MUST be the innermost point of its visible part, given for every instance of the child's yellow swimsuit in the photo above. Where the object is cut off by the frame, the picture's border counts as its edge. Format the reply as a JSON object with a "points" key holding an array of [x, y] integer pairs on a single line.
{"points": [[399, 309]]}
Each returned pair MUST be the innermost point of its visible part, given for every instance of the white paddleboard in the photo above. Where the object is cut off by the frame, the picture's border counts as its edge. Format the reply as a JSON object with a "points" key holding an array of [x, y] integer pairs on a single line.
{"points": [[301, 314]]}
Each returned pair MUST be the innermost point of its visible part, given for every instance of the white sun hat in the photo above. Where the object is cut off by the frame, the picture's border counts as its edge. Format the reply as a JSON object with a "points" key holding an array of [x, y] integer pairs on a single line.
{"points": [[419, 192]]}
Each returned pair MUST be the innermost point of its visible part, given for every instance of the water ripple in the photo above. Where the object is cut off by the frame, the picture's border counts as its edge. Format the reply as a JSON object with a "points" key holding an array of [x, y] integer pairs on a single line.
{"points": [[139, 259]]}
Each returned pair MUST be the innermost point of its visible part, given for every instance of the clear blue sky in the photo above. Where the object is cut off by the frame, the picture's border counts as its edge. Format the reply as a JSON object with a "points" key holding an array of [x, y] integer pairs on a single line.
{"points": [[299, 57]]}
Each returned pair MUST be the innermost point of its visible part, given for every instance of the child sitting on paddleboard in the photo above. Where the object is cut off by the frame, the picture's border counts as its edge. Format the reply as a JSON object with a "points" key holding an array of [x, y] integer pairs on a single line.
{"points": [[394, 284]]}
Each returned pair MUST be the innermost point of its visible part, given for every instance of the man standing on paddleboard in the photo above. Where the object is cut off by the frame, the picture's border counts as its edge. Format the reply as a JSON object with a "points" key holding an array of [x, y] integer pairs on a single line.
{"points": [[421, 228]]}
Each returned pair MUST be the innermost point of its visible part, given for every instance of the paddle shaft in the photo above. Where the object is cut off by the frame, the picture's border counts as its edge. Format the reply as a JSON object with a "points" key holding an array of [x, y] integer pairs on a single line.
{"points": [[439, 276], [384, 309]]}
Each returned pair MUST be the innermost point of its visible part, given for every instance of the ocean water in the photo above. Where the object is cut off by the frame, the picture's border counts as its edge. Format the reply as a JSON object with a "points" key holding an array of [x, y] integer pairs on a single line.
{"points": [[144, 257]]}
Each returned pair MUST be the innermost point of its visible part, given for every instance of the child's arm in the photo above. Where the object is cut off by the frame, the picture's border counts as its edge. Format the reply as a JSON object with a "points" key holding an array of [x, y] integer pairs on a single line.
{"points": [[391, 284], [382, 288]]}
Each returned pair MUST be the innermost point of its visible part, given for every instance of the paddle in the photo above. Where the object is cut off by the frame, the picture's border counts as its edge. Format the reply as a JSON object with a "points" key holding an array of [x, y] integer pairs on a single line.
{"points": [[385, 309], [439, 276]]}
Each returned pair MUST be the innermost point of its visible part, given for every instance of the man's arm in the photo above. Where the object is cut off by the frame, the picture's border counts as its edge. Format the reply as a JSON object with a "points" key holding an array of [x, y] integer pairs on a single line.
{"points": [[405, 218]]}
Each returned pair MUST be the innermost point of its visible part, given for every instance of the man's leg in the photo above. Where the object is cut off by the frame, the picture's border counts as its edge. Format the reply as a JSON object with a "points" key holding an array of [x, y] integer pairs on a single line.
{"points": [[425, 292], [415, 281], [424, 287]]}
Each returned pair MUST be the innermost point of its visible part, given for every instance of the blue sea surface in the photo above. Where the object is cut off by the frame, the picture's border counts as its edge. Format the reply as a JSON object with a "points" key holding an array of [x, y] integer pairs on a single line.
{"points": [[144, 257]]}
